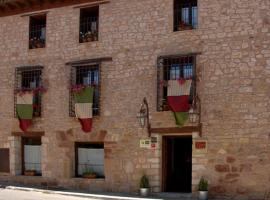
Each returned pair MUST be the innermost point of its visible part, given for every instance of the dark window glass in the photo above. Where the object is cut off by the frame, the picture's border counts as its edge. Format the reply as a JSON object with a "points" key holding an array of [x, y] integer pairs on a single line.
{"points": [[37, 31], [89, 158], [89, 24], [185, 15], [31, 156]]}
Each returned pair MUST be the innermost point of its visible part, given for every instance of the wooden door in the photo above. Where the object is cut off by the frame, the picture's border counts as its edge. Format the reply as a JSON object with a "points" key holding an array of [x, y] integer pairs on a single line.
{"points": [[177, 164]]}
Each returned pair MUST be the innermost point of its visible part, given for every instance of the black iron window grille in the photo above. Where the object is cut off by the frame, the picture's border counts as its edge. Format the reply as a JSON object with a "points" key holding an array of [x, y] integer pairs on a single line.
{"points": [[37, 31], [89, 24], [29, 79], [175, 68], [89, 159], [185, 15], [88, 75]]}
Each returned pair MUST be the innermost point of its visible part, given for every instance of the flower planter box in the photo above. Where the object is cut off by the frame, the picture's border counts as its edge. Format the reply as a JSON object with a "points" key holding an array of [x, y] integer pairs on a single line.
{"points": [[185, 27], [36, 44], [30, 173], [89, 176]]}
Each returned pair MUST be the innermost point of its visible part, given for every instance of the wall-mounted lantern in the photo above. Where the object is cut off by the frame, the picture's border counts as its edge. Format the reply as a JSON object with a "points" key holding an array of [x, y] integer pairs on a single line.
{"points": [[143, 116]]}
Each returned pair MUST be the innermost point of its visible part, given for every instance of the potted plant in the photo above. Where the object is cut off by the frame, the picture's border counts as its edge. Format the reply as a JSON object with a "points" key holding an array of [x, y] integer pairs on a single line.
{"points": [[144, 186], [203, 189], [90, 174], [184, 26], [29, 172]]}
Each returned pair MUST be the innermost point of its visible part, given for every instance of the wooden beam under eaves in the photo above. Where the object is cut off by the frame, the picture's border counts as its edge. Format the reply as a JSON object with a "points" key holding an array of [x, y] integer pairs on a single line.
{"points": [[15, 7], [89, 61], [177, 130], [29, 134]]}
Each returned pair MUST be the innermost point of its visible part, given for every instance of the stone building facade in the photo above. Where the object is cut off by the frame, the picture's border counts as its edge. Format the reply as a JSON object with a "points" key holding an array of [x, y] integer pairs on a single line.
{"points": [[231, 46]]}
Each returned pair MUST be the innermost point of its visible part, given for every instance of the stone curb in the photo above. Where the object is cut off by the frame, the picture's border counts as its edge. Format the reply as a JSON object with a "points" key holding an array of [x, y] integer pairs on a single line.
{"points": [[77, 194]]}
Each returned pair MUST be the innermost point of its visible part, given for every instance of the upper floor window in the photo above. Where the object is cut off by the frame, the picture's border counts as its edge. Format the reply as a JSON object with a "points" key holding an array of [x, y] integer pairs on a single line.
{"points": [[28, 79], [86, 76], [185, 15], [89, 24], [37, 31], [172, 72]]}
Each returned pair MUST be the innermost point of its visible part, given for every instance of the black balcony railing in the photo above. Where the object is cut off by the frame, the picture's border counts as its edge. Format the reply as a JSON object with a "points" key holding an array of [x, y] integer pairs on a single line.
{"points": [[88, 29], [185, 16], [37, 36]]}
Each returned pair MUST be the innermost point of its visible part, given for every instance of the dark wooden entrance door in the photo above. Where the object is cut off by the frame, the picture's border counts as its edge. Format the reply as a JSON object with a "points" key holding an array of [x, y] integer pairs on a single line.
{"points": [[177, 164]]}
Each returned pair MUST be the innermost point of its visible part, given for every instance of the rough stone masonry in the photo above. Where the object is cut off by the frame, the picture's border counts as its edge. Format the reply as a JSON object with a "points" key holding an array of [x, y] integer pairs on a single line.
{"points": [[233, 38]]}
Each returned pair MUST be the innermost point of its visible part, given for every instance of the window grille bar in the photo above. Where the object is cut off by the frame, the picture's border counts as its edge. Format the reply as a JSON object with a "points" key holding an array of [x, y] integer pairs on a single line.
{"points": [[37, 31], [88, 76], [89, 24], [29, 78], [174, 68]]}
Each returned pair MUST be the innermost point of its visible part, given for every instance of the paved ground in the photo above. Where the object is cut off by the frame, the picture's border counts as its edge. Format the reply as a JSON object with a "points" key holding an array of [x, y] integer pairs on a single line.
{"points": [[11, 194], [24, 193], [6, 194]]}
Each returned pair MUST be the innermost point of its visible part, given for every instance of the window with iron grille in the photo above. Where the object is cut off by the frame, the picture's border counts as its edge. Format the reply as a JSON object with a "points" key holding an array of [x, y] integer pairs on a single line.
{"points": [[185, 15], [29, 79], [89, 24], [88, 75], [175, 68], [89, 157], [37, 31]]}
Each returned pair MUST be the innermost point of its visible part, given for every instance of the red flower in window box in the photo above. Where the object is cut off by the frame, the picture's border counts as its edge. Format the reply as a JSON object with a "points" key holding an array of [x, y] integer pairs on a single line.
{"points": [[37, 90], [184, 26], [78, 88]]}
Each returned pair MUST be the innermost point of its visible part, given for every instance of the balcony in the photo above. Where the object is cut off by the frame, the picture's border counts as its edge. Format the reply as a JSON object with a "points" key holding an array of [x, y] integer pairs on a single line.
{"points": [[177, 92]]}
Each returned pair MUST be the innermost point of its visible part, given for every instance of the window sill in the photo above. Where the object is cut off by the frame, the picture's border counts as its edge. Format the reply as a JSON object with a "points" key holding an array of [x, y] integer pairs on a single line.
{"points": [[187, 30], [92, 43], [25, 176], [88, 179], [4, 174], [36, 49], [96, 117], [87, 42]]}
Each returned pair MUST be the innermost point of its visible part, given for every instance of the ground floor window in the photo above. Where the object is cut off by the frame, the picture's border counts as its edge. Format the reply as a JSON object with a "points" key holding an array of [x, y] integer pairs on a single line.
{"points": [[4, 160], [31, 156], [89, 159]]}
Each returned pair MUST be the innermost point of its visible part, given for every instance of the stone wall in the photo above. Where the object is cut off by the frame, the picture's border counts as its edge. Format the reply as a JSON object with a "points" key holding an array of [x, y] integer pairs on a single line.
{"points": [[234, 69]]}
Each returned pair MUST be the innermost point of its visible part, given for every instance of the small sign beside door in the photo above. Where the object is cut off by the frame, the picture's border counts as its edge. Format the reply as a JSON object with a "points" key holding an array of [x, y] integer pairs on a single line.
{"points": [[151, 143], [145, 143], [199, 146]]}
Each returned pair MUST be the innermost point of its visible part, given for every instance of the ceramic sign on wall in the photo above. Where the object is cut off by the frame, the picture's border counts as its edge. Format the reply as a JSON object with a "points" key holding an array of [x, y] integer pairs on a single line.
{"points": [[199, 146], [151, 143]]}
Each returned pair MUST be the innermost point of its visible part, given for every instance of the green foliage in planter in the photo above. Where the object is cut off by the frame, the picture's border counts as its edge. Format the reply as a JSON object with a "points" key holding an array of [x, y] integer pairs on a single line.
{"points": [[89, 172], [144, 183], [203, 185]]}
